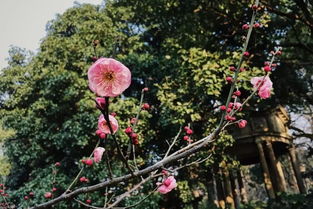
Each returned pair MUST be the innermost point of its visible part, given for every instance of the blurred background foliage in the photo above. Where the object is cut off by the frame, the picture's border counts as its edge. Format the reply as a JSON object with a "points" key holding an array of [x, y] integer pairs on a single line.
{"points": [[181, 50]]}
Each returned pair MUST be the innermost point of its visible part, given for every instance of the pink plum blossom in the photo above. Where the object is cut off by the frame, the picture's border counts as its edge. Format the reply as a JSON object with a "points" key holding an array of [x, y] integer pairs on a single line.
{"points": [[108, 77], [242, 123], [167, 185], [264, 86], [97, 154], [103, 126]]}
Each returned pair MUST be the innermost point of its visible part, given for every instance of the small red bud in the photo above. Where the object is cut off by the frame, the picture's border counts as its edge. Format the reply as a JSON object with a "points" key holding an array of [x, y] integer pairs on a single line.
{"points": [[186, 138], [57, 164], [230, 105], [254, 7], [228, 110], [102, 136], [83, 179], [128, 130], [145, 89], [89, 162], [31, 194], [223, 107], [246, 54], [229, 79], [245, 27], [232, 68], [267, 68], [242, 123], [26, 197], [256, 25], [164, 172], [186, 128], [135, 141], [278, 53], [145, 106], [134, 136], [54, 189], [189, 132], [237, 93], [88, 201]]}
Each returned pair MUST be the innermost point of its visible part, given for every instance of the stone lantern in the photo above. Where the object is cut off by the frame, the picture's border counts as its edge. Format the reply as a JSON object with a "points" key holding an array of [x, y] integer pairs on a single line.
{"points": [[263, 140]]}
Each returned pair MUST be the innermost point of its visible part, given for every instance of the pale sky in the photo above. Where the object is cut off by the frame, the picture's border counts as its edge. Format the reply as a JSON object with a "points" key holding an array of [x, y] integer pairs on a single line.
{"points": [[23, 22]]}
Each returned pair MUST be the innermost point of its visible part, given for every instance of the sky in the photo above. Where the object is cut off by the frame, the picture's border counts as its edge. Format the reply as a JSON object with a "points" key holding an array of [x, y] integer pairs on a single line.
{"points": [[23, 22]]}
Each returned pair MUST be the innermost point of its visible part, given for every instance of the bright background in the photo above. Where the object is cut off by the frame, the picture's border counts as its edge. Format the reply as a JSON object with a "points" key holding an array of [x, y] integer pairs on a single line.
{"points": [[23, 22]]}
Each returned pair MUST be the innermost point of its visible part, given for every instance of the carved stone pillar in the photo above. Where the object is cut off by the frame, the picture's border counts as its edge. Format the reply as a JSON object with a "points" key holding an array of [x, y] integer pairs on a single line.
{"points": [[278, 172], [295, 165], [266, 173]]}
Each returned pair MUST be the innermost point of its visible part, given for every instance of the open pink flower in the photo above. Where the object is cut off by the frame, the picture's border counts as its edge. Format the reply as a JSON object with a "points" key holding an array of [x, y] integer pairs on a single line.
{"points": [[97, 154], [167, 185], [108, 77], [103, 126], [265, 86]]}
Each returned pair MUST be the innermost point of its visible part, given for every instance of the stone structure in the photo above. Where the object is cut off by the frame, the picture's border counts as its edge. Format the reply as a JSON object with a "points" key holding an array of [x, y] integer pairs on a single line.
{"points": [[263, 140]]}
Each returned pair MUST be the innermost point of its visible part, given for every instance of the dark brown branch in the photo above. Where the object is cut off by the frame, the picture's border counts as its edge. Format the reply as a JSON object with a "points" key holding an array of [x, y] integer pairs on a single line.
{"points": [[158, 165]]}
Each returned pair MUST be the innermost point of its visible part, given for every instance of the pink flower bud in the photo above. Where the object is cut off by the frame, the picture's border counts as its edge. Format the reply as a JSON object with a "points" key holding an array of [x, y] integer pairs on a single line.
{"points": [[267, 68], [229, 79], [26, 197], [145, 106], [145, 89], [83, 179], [102, 135], [242, 123], [88, 201], [135, 141], [189, 132], [98, 132], [223, 107], [113, 114], [186, 138], [48, 195], [278, 53], [57, 164], [245, 27], [229, 110], [128, 130], [237, 93], [100, 103], [254, 7], [230, 105], [88, 162], [256, 25], [54, 189], [186, 128], [246, 54], [134, 136], [97, 154], [31, 194]]}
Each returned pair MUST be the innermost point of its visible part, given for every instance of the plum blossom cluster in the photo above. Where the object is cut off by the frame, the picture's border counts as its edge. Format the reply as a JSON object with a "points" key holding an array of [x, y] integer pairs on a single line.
{"points": [[188, 132]]}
